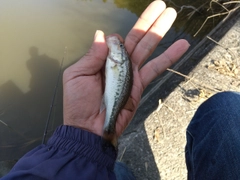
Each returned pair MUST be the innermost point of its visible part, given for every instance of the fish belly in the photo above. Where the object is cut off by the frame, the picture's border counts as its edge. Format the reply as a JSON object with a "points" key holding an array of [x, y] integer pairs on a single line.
{"points": [[116, 90]]}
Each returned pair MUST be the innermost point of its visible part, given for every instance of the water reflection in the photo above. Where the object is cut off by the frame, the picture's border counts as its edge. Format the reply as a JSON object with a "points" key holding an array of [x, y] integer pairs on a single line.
{"points": [[43, 70], [23, 115], [28, 73]]}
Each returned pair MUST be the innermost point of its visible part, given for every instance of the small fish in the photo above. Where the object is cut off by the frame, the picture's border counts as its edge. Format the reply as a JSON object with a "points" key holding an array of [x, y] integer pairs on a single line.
{"points": [[118, 85]]}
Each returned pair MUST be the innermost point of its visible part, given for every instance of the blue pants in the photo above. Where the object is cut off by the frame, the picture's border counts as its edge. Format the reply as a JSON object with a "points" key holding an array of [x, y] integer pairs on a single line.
{"points": [[213, 141]]}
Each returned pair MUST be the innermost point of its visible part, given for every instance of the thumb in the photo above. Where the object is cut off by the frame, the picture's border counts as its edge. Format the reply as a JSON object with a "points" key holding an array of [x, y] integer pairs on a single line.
{"points": [[95, 58]]}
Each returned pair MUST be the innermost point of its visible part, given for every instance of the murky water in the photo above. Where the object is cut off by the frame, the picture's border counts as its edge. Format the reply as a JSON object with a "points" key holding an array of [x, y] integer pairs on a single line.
{"points": [[34, 37]]}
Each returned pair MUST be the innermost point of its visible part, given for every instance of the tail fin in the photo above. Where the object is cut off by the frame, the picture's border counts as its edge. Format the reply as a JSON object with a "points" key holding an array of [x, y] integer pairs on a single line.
{"points": [[110, 137]]}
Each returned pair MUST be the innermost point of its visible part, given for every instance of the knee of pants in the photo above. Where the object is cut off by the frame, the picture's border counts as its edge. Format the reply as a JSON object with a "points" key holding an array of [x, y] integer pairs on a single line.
{"points": [[224, 100], [221, 107], [213, 136], [217, 117]]}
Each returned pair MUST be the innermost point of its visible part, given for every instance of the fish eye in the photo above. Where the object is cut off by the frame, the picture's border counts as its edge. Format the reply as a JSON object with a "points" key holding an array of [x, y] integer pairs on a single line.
{"points": [[121, 45]]}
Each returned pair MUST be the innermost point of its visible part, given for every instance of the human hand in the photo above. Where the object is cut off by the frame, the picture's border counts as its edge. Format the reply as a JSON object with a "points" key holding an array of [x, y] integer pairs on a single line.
{"points": [[83, 81]]}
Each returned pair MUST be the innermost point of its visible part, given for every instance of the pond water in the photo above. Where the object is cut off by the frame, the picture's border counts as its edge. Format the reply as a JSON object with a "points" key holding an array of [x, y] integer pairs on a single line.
{"points": [[34, 38]]}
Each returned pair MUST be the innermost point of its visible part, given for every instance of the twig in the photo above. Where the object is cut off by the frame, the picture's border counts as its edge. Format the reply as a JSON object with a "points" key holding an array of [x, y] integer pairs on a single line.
{"points": [[231, 2], [220, 14], [187, 7], [176, 72], [161, 104], [21, 145], [215, 41], [227, 49], [53, 99], [122, 154], [20, 134], [169, 107], [195, 80], [172, 3], [215, 15], [220, 5]]}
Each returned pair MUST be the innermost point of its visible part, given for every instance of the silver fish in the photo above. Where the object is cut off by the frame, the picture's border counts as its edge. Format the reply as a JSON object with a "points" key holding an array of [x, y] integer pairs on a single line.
{"points": [[119, 80]]}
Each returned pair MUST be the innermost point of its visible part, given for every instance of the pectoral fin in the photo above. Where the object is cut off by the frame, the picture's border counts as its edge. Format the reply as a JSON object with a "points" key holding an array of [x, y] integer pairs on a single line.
{"points": [[103, 106]]}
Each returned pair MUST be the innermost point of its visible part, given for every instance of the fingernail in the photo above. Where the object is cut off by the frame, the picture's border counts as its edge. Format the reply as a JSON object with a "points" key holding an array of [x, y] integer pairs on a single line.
{"points": [[96, 34], [99, 36]]}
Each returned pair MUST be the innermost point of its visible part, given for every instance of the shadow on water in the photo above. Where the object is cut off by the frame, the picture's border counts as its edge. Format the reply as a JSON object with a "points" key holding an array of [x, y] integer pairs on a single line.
{"points": [[23, 116]]}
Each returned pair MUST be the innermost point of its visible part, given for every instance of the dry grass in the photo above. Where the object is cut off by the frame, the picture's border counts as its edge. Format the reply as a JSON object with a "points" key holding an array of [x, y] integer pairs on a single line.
{"points": [[226, 12], [166, 126]]}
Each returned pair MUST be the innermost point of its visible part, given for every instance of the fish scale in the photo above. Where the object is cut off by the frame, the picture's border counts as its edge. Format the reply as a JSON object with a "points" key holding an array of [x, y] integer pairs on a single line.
{"points": [[118, 84]]}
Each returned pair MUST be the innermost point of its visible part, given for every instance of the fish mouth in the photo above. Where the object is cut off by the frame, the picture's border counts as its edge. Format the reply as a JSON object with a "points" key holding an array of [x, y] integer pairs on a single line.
{"points": [[117, 36]]}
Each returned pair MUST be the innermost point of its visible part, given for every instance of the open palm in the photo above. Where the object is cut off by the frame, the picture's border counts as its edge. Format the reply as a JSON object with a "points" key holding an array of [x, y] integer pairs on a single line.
{"points": [[83, 81]]}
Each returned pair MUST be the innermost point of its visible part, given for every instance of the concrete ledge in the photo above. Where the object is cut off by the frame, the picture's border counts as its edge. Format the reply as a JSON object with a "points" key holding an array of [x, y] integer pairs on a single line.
{"points": [[153, 144]]}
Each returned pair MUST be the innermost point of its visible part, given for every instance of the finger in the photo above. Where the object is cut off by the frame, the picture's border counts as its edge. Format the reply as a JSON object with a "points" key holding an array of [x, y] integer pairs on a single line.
{"points": [[144, 22], [159, 64], [152, 38], [94, 59]]}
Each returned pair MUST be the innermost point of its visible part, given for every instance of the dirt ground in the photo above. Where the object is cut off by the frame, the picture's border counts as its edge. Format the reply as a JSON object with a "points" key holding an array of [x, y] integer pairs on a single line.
{"points": [[153, 144]]}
